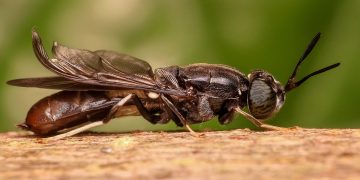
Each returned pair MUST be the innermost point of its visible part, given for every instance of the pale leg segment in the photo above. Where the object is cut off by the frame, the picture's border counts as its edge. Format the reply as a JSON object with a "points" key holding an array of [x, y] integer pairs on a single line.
{"points": [[76, 130], [88, 126], [258, 123]]}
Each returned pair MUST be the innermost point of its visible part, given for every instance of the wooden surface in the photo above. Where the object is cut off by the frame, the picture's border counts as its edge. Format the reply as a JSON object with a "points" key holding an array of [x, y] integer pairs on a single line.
{"points": [[245, 154]]}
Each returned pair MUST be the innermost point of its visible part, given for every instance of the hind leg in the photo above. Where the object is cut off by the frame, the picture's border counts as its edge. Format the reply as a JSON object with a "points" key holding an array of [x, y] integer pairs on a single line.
{"points": [[163, 118]]}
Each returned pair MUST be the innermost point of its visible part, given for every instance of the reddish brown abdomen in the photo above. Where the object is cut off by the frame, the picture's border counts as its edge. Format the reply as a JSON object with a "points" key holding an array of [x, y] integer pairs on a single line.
{"points": [[66, 109]]}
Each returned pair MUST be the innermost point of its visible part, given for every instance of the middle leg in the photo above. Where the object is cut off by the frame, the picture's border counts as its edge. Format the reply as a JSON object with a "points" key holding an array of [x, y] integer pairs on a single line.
{"points": [[179, 115]]}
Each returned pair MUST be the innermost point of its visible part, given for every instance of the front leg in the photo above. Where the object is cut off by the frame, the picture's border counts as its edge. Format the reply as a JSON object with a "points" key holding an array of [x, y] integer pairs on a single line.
{"points": [[258, 123]]}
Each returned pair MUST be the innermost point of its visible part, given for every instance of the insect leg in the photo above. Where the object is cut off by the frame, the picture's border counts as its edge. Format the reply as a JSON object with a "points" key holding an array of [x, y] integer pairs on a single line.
{"points": [[226, 117], [142, 110], [85, 127], [115, 108], [78, 130], [258, 123], [148, 116], [170, 115], [178, 114]]}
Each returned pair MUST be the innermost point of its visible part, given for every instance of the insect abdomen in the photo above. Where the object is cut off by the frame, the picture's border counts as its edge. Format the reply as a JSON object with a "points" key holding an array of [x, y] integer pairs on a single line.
{"points": [[66, 109]]}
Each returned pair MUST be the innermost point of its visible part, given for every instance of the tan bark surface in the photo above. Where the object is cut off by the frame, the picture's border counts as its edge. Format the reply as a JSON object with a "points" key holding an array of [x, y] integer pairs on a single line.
{"points": [[237, 154]]}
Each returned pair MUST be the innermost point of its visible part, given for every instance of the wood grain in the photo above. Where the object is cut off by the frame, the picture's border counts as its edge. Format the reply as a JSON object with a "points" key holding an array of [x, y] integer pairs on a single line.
{"points": [[245, 154]]}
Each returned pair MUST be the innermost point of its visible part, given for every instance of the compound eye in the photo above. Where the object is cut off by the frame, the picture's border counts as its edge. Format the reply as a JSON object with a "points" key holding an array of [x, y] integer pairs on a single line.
{"points": [[262, 99]]}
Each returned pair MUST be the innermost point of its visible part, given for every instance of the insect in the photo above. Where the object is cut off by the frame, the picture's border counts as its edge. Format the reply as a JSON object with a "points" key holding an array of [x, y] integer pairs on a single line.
{"points": [[98, 86]]}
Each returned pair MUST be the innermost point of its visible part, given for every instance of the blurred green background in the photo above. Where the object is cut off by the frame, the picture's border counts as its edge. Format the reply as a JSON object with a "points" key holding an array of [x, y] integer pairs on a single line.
{"points": [[248, 35]]}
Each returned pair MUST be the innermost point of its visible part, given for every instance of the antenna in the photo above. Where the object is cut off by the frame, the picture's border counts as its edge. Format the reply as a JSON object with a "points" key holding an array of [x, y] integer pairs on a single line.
{"points": [[291, 84]]}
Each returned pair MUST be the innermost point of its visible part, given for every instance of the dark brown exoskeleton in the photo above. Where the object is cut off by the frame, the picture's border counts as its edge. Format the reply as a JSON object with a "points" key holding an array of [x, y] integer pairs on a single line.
{"points": [[101, 85]]}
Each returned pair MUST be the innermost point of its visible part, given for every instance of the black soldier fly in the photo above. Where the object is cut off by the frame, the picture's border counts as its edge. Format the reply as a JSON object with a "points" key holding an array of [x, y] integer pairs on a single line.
{"points": [[98, 86]]}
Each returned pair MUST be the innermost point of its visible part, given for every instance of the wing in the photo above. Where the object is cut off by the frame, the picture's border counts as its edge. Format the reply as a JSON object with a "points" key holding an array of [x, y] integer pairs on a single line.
{"points": [[118, 62], [57, 82], [100, 68]]}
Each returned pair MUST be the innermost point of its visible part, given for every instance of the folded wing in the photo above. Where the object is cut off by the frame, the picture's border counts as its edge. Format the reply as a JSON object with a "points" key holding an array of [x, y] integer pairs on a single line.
{"points": [[97, 70], [57, 82]]}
